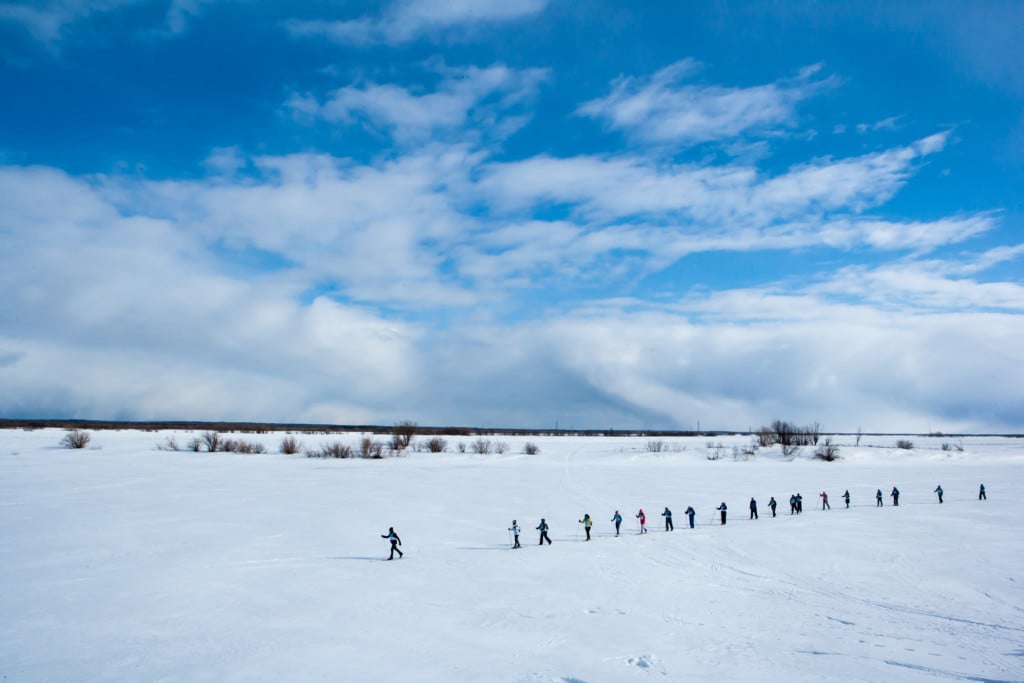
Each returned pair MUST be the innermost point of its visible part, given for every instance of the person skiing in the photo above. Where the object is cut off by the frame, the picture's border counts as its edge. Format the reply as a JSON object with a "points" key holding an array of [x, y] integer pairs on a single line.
{"points": [[395, 542], [543, 529], [515, 533], [617, 518], [722, 508], [878, 498], [753, 508], [824, 501], [981, 493], [587, 523], [799, 504], [772, 504], [690, 512], [846, 497], [643, 521], [792, 504], [895, 496], [938, 490], [667, 514]]}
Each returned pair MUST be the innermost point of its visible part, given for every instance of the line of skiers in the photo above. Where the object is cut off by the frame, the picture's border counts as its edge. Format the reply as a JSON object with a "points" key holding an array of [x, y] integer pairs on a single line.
{"points": [[795, 507]]}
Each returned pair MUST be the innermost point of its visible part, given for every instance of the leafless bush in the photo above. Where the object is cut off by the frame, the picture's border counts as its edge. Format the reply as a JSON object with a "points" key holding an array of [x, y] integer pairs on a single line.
{"points": [[790, 451], [335, 449], [789, 434], [290, 445], [402, 435], [241, 446], [481, 446], [461, 447], [369, 448], [195, 444], [655, 446], [211, 440], [531, 448], [437, 445], [766, 437], [827, 450], [905, 444], [171, 444], [75, 438], [500, 447]]}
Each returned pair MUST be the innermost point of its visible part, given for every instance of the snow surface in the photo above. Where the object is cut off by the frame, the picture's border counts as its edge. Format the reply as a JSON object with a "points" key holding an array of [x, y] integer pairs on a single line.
{"points": [[125, 563]]}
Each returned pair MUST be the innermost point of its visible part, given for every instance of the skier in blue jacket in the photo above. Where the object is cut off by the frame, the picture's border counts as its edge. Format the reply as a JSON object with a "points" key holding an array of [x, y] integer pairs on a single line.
{"points": [[617, 518], [667, 514], [938, 490], [690, 512], [395, 542], [722, 508], [772, 504]]}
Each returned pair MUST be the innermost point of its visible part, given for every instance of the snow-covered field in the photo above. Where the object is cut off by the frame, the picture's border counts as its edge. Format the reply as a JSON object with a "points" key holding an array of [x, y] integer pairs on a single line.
{"points": [[124, 563]]}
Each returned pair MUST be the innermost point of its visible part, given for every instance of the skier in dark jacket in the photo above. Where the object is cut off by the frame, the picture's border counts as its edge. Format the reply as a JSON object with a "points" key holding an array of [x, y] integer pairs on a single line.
{"points": [[753, 508], [722, 508], [938, 490], [878, 498], [846, 497], [792, 504], [395, 542], [981, 493], [617, 518], [824, 501], [895, 496], [667, 514], [690, 512], [543, 529], [799, 504], [772, 504]]}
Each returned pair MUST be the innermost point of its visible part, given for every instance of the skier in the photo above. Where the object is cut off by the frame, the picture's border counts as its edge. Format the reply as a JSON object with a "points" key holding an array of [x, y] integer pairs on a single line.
{"points": [[395, 542], [824, 501], [799, 504], [846, 497], [981, 493], [792, 504], [617, 518], [878, 498], [667, 514], [515, 533], [772, 504], [895, 496], [722, 508], [753, 508], [543, 529], [690, 512], [587, 523], [643, 521], [938, 490]]}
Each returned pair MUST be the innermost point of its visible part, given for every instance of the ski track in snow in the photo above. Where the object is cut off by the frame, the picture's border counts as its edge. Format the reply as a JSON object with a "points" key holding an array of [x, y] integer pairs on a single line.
{"points": [[124, 563]]}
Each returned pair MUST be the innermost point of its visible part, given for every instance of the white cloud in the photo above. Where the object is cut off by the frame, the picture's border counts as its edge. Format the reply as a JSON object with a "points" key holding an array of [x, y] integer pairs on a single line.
{"points": [[663, 108], [464, 96], [407, 20]]}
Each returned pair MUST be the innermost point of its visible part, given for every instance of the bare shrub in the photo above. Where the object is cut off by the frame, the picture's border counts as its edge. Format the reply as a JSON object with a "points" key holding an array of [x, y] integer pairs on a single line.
{"points": [[530, 448], [369, 448], [195, 444], [461, 447], [827, 450], [790, 451], [655, 446], [75, 438], [437, 445], [290, 445], [211, 440], [335, 449], [905, 444], [500, 447], [241, 446], [171, 444], [481, 446], [402, 435], [766, 437]]}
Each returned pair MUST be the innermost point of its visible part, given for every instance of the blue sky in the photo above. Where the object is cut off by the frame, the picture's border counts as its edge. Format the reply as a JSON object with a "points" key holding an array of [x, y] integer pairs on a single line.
{"points": [[602, 214]]}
